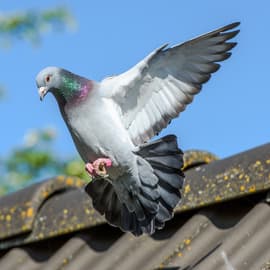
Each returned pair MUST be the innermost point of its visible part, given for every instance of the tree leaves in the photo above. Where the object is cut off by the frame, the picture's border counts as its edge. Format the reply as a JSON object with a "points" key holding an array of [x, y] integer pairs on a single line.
{"points": [[30, 25], [36, 160]]}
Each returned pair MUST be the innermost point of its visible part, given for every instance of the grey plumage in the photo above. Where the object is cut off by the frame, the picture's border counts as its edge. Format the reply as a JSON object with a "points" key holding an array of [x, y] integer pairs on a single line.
{"points": [[166, 81], [117, 117], [150, 203]]}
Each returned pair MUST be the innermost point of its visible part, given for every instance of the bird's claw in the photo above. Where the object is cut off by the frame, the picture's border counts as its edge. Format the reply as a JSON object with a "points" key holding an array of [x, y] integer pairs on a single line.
{"points": [[98, 167]]}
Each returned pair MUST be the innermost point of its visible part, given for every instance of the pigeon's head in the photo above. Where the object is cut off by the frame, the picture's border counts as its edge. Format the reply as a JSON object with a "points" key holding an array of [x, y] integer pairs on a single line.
{"points": [[48, 80], [63, 84]]}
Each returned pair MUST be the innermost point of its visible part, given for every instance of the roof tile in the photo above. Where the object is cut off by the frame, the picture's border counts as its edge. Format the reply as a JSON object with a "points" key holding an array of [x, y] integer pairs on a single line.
{"points": [[18, 210], [224, 235]]}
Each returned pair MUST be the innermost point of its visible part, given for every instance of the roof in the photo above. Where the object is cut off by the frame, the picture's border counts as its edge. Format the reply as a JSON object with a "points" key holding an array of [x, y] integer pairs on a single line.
{"points": [[222, 223]]}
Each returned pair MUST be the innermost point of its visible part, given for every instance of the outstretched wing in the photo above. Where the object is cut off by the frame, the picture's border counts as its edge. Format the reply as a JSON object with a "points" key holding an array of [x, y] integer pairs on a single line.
{"points": [[157, 89]]}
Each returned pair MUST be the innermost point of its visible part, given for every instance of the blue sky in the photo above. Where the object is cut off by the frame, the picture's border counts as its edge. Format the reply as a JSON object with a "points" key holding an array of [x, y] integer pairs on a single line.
{"points": [[229, 115]]}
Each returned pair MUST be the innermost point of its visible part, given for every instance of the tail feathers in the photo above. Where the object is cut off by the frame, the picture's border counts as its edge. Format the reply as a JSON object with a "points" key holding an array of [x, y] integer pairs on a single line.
{"points": [[140, 199], [106, 202], [105, 199], [127, 208], [161, 146], [166, 160], [144, 202]]}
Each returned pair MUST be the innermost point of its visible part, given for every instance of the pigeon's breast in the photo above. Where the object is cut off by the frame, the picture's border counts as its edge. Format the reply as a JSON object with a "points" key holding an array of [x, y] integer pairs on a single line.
{"points": [[97, 131]]}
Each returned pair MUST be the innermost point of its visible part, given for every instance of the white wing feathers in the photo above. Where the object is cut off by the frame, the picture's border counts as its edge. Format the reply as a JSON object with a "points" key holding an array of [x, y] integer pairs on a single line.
{"points": [[157, 89]]}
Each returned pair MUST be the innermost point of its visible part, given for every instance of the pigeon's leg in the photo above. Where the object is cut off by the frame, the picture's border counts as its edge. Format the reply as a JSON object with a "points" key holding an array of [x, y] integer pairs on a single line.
{"points": [[98, 167]]}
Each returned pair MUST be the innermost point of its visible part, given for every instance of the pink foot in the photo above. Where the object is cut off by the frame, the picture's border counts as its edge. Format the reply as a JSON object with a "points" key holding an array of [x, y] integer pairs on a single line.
{"points": [[98, 167], [90, 169]]}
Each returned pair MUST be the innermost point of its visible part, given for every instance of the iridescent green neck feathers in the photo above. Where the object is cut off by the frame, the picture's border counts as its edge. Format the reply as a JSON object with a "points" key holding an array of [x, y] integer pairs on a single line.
{"points": [[74, 88]]}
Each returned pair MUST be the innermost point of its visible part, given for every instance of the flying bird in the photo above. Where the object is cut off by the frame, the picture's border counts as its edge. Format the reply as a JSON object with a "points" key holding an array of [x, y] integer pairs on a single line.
{"points": [[136, 183]]}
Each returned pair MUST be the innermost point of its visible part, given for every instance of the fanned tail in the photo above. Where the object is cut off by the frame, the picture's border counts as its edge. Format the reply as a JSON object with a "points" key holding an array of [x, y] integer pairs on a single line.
{"points": [[144, 202], [166, 160]]}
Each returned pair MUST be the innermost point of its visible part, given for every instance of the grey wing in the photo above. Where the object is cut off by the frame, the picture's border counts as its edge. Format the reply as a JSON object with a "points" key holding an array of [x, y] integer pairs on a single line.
{"points": [[153, 92]]}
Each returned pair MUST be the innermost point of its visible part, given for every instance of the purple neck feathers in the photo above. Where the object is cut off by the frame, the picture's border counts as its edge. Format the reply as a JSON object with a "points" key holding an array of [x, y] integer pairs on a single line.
{"points": [[82, 93]]}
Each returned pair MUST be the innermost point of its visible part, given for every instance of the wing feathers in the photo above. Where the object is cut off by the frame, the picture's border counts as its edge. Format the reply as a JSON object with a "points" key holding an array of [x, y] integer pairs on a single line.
{"points": [[158, 88], [215, 33]]}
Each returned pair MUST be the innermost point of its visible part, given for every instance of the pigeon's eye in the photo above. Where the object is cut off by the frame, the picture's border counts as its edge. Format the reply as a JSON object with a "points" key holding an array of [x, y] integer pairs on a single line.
{"points": [[48, 78]]}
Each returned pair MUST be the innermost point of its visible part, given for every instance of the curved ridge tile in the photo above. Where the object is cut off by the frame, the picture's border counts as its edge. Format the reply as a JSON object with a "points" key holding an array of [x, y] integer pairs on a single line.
{"points": [[193, 158], [18, 211]]}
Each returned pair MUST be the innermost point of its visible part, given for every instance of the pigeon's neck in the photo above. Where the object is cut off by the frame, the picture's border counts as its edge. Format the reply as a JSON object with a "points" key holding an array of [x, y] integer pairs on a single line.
{"points": [[74, 89]]}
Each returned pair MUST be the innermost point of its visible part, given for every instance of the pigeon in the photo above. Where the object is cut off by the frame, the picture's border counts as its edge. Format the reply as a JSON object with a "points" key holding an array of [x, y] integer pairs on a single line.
{"points": [[136, 182]]}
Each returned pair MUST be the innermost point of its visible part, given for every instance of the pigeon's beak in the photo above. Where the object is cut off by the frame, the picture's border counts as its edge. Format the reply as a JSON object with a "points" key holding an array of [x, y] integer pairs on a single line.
{"points": [[42, 92]]}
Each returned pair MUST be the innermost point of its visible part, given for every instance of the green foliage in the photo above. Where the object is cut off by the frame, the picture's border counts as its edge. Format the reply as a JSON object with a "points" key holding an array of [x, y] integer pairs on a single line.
{"points": [[36, 160], [29, 25]]}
